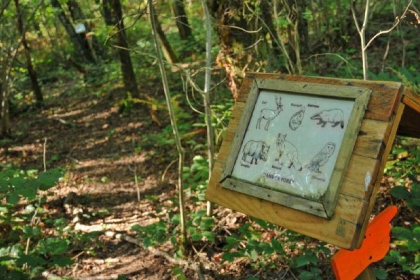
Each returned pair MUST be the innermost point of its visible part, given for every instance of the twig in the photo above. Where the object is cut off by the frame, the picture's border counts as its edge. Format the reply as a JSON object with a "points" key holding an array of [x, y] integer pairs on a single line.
{"points": [[361, 31], [242, 29], [166, 170], [136, 182], [192, 265], [44, 154], [181, 151], [397, 21]]}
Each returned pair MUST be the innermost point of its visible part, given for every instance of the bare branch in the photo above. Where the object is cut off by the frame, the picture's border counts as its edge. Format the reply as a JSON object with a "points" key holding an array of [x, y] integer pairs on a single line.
{"points": [[244, 30], [356, 22], [397, 21]]}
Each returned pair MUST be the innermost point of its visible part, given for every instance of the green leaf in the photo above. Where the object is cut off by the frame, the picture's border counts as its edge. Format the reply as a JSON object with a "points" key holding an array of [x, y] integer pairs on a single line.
{"points": [[31, 260], [277, 245], [27, 191], [232, 241], [50, 178], [196, 237], [13, 198], [266, 248], [307, 275], [53, 246], [254, 255], [400, 192], [414, 203], [416, 233], [413, 246], [302, 261], [380, 274], [209, 235], [261, 223], [306, 259], [402, 233], [415, 189], [61, 261], [230, 256]]}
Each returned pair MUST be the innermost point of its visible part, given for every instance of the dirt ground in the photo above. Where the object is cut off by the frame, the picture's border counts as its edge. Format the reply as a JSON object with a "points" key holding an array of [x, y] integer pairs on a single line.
{"points": [[96, 144]]}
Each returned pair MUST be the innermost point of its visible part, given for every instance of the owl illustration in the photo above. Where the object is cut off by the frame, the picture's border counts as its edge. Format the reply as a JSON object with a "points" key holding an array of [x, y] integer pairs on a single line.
{"points": [[321, 158]]}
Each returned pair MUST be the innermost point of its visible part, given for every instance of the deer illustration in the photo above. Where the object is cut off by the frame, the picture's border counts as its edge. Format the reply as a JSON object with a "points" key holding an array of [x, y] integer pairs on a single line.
{"points": [[268, 115]]}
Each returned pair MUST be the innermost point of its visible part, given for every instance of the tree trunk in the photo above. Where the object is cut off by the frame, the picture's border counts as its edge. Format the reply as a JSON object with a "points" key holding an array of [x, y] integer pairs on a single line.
{"points": [[76, 12], [31, 70], [232, 19], [78, 42], [267, 17], [4, 100], [181, 20], [166, 47], [95, 47], [113, 15]]}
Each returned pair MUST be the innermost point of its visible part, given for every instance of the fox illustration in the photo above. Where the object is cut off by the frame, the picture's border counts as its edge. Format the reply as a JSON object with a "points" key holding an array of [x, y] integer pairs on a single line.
{"points": [[297, 118], [289, 151], [334, 117], [321, 157]]}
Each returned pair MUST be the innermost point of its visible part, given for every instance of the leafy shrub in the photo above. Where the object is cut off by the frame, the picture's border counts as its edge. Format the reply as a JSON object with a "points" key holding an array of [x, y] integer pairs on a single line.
{"points": [[24, 249], [407, 237]]}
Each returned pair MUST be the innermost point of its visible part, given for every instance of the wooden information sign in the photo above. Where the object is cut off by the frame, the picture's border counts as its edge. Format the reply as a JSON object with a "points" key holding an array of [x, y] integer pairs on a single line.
{"points": [[295, 154], [308, 153]]}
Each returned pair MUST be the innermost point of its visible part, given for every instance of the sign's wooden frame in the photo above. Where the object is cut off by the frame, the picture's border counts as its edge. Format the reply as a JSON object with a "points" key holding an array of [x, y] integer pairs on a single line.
{"points": [[322, 206], [391, 108]]}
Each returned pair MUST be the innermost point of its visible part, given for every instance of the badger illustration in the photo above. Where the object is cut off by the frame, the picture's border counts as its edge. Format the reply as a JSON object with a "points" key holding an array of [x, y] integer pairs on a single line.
{"points": [[256, 150], [321, 158], [334, 117]]}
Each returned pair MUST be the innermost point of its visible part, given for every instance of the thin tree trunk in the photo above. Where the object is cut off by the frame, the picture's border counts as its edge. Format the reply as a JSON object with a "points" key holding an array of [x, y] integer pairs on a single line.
{"points": [[31, 70], [4, 113], [115, 14], [210, 131], [181, 20], [166, 47], [181, 152], [4, 95], [77, 41], [268, 20]]}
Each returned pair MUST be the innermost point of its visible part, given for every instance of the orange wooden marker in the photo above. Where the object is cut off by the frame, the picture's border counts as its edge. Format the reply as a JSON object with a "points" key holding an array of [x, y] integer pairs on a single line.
{"points": [[349, 264]]}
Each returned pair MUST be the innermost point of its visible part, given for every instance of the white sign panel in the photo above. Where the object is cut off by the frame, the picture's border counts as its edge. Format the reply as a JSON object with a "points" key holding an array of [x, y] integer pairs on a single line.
{"points": [[292, 142]]}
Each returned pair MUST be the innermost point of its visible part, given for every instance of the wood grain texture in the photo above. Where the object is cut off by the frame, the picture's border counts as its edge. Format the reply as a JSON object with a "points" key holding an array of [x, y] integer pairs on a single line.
{"points": [[383, 102], [410, 120], [370, 142], [394, 122], [354, 203]]}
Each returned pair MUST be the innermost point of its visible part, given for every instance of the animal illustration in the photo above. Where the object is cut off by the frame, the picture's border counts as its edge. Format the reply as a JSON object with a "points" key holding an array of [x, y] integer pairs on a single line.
{"points": [[256, 150], [297, 118], [289, 151], [321, 158], [268, 115], [334, 117]]}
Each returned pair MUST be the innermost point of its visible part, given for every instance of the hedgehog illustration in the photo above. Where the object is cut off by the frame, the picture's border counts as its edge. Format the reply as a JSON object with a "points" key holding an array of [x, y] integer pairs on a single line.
{"points": [[296, 119]]}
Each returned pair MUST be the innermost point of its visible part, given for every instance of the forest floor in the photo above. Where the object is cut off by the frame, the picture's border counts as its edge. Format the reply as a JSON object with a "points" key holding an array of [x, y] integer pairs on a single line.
{"points": [[96, 144], [87, 135]]}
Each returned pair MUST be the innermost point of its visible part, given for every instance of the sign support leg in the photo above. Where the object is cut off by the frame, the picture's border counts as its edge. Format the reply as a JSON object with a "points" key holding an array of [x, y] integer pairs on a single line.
{"points": [[350, 265]]}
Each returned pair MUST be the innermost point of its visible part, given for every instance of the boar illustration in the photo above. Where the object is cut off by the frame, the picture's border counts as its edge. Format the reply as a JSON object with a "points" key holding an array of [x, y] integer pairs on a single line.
{"points": [[334, 117], [256, 150]]}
